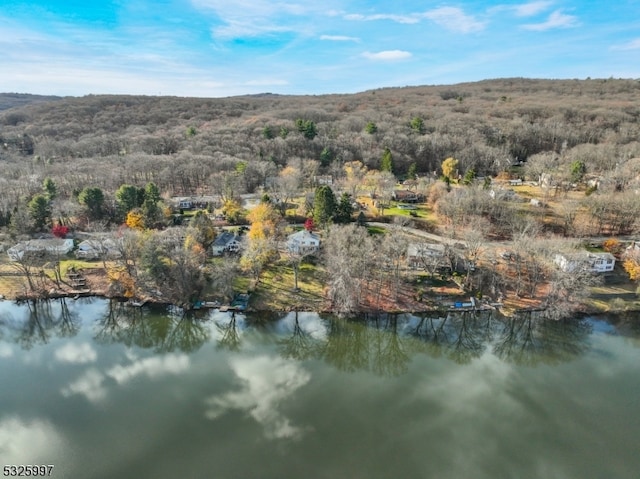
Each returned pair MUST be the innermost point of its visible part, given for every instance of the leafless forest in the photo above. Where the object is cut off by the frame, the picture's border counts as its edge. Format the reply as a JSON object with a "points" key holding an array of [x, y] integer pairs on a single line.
{"points": [[183, 144]]}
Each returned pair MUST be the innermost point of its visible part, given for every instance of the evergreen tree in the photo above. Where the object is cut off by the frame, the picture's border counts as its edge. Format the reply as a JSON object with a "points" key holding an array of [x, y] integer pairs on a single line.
{"points": [[417, 125], [386, 163], [371, 128], [324, 205], [50, 189], [129, 197], [411, 172], [469, 176], [326, 157], [93, 199], [344, 210], [40, 211]]}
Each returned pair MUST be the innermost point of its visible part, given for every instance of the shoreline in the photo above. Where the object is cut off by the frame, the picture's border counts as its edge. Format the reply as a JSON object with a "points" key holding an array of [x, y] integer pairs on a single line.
{"points": [[507, 312]]}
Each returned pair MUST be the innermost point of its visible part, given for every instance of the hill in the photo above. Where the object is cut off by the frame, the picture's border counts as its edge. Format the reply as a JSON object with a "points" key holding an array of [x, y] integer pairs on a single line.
{"points": [[183, 144], [14, 100]]}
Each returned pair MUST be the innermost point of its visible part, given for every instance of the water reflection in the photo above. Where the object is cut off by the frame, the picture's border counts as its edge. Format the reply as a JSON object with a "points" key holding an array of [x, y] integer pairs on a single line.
{"points": [[162, 331], [41, 320], [265, 383], [527, 340], [382, 344]]}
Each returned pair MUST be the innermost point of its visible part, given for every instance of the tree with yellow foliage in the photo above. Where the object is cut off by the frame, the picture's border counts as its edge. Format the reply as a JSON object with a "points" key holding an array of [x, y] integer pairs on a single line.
{"points": [[261, 246], [135, 219], [632, 266], [450, 168], [232, 211], [264, 220]]}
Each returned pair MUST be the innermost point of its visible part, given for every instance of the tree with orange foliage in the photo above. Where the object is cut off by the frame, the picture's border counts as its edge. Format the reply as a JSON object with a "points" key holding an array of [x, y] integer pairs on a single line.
{"points": [[632, 266], [135, 219], [612, 246]]}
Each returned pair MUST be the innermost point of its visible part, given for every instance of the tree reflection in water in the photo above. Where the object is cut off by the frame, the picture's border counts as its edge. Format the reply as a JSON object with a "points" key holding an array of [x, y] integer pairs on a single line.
{"points": [[300, 345], [164, 331], [45, 319], [230, 337], [529, 340]]}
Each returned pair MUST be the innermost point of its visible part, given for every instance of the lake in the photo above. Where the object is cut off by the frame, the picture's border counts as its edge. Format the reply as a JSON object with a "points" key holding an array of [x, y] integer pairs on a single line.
{"points": [[100, 390]]}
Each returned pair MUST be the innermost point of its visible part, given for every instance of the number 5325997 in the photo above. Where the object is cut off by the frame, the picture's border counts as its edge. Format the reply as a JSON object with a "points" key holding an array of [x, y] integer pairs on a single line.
{"points": [[36, 471]]}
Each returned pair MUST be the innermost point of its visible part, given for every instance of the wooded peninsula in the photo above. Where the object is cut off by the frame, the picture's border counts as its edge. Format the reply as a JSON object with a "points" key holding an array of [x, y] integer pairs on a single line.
{"points": [[508, 193]]}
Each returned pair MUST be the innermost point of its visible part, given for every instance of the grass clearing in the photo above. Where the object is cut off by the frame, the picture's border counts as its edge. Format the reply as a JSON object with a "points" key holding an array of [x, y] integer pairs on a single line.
{"points": [[275, 290]]}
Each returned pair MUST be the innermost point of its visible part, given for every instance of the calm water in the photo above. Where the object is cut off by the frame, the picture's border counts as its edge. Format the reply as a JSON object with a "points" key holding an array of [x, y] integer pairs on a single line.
{"points": [[101, 391]]}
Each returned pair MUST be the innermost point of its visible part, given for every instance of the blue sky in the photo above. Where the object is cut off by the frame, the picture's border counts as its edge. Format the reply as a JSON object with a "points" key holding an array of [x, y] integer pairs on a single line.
{"points": [[216, 48]]}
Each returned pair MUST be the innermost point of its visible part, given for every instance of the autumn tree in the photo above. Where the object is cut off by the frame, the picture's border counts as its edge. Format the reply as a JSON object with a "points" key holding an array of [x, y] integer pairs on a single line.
{"points": [[347, 255], [285, 187], [262, 244], [233, 211], [135, 219], [355, 173], [201, 229], [450, 168]]}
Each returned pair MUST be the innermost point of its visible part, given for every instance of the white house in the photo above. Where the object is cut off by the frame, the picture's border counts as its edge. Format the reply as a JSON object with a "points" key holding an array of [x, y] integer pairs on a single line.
{"points": [[54, 246], [95, 248], [419, 254], [593, 262], [303, 242], [226, 242]]}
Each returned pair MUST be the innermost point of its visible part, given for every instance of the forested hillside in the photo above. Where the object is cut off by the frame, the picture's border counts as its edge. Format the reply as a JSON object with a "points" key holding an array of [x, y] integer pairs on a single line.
{"points": [[185, 144], [15, 100]]}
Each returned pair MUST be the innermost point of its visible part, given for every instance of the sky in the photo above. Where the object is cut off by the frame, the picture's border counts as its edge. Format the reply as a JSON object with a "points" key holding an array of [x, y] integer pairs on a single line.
{"points": [[220, 48]]}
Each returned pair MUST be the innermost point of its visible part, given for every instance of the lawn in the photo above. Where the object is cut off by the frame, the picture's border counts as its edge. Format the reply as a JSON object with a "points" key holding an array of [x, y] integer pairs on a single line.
{"points": [[421, 211], [275, 290]]}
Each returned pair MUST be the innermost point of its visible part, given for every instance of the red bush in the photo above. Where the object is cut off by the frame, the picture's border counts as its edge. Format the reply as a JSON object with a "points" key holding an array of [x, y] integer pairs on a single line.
{"points": [[60, 231]]}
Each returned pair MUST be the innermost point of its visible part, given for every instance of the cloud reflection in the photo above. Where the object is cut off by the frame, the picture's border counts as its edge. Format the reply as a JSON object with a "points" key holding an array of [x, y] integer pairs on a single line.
{"points": [[76, 353], [89, 385], [5, 350], [151, 367], [28, 442], [267, 381]]}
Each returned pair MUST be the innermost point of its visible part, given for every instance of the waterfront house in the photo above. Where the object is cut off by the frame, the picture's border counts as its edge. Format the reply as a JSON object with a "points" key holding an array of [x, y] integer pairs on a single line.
{"points": [[226, 242], [95, 248], [592, 262], [40, 247], [303, 243], [421, 254]]}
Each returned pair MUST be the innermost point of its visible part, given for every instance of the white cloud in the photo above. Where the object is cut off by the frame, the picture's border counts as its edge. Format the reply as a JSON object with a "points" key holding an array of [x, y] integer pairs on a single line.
{"points": [[89, 385], [451, 18], [266, 382], [151, 367], [339, 38], [631, 45], [387, 55], [252, 18], [454, 19], [531, 8], [406, 19], [556, 20], [29, 442], [76, 353]]}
